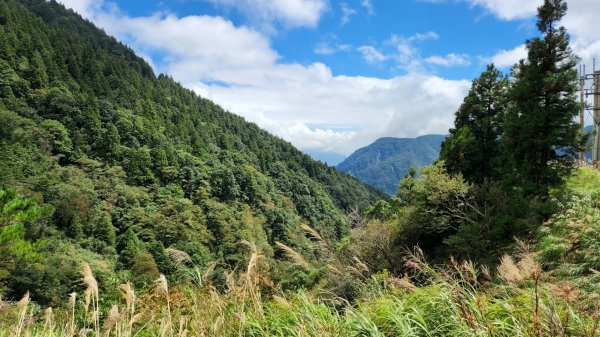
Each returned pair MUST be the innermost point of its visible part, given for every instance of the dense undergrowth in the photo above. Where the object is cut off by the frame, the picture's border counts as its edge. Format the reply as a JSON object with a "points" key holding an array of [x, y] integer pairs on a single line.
{"points": [[546, 289]]}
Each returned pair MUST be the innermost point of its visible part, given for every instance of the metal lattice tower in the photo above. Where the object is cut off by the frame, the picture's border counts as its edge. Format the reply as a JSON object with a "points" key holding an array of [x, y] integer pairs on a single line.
{"points": [[594, 109], [596, 117]]}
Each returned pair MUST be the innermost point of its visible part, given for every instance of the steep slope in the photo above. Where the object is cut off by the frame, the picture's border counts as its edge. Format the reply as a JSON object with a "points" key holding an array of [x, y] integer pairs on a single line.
{"points": [[385, 162], [131, 163]]}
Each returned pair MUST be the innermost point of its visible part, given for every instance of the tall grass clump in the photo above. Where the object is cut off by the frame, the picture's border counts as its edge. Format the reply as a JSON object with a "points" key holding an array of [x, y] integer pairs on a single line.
{"points": [[458, 299]]}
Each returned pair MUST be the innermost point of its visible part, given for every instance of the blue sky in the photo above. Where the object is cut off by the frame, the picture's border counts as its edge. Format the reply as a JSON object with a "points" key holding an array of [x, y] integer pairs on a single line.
{"points": [[332, 76], [460, 28]]}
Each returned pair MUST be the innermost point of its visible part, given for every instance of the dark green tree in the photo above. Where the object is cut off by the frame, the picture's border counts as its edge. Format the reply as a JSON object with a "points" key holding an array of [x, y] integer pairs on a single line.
{"points": [[111, 141], [139, 166], [128, 247], [472, 148], [144, 269], [105, 231], [37, 71], [541, 138]]}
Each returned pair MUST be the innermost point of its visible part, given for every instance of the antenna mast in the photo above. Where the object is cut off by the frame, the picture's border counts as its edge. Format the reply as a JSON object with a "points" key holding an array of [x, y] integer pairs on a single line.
{"points": [[594, 109]]}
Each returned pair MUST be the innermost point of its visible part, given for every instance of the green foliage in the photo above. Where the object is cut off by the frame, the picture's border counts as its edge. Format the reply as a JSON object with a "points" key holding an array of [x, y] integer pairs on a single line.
{"points": [[443, 214], [133, 163], [128, 247], [568, 242], [541, 137], [144, 270], [472, 148]]}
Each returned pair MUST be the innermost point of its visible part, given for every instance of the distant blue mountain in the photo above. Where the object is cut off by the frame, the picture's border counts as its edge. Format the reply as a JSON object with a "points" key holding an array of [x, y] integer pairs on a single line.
{"points": [[330, 158], [385, 162]]}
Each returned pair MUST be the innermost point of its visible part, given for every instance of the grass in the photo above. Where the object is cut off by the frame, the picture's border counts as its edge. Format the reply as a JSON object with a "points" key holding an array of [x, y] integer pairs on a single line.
{"points": [[549, 289], [455, 301]]}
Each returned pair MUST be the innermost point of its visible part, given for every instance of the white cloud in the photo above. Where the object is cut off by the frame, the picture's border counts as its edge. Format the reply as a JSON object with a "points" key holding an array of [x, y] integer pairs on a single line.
{"points": [[236, 67], [198, 47], [406, 54], [369, 6], [347, 13], [326, 48], [509, 9], [420, 37], [371, 54], [449, 60], [291, 13], [85, 8], [363, 108], [506, 58], [581, 22]]}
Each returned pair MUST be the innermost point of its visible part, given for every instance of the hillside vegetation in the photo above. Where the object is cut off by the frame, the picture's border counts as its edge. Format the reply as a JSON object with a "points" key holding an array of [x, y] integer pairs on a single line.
{"points": [[541, 290], [385, 162], [131, 207], [126, 164]]}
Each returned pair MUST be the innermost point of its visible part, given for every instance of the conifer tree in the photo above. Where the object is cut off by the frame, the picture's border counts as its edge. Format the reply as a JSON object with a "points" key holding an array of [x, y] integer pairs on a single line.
{"points": [[472, 148], [541, 138]]}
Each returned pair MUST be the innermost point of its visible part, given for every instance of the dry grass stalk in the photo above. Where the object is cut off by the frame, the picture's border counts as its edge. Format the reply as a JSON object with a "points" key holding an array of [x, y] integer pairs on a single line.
{"points": [[48, 320], [487, 274], [183, 331], [334, 269], [91, 294], [71, 324], [178, 256], [162, 289], [314, 234], [22, 308], [508, 270], [209, 269], [516, 272], [360, 265], [113, 318], [292, 254], [230, 281], [281, 301], [165, 326], [402, 283], [128, 295], [252, 278]]}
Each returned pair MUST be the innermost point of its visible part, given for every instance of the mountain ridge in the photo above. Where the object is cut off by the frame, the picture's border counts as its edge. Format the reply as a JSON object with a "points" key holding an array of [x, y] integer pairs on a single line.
{"points": [[383, 163]]}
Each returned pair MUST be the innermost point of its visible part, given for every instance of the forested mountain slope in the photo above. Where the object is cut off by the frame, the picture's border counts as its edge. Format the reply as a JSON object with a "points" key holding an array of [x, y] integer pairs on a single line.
{"points": [[385, 162], [128, 164]]}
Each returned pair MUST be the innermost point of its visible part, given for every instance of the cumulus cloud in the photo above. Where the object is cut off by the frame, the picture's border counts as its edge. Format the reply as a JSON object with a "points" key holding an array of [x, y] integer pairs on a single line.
{"points": [[236, 67], [403, 52], [506, 58], [509, 9], [582, 23], [85, 8], [371, 54], [291, 13], [351, 111], [406, 53], [449, 60]]}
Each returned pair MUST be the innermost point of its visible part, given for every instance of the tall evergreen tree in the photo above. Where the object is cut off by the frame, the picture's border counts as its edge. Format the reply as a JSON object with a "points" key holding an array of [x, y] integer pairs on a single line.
{"points": [[472, 148], [541, 137]]}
